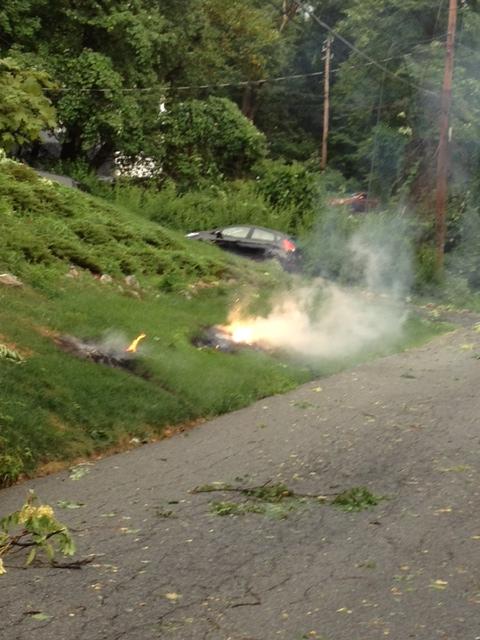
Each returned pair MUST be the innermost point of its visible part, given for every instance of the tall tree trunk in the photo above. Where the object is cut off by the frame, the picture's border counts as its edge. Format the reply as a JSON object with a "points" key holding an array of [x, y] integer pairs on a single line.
{"points": [[72, 146], [250, 100], [290, 8]]}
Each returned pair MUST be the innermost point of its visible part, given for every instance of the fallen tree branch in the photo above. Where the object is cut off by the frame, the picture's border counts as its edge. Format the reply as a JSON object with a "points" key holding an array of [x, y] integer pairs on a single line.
{"points": [[267, 491]]}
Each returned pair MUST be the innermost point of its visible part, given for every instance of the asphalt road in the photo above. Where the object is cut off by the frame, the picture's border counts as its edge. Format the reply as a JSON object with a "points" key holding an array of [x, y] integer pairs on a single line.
{"points": [[164, 565]]}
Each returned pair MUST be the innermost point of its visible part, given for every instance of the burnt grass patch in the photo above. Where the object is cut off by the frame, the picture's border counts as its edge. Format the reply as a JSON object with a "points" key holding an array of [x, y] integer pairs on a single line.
{"points": [[110, 356]]}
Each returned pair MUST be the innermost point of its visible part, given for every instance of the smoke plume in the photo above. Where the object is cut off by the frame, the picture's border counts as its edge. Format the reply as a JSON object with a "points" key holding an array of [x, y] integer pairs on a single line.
{"points": [[325, 319]]}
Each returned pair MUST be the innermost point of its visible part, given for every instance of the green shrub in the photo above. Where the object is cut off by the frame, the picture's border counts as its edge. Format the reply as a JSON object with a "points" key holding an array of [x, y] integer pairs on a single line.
{"points": [[426, 275], [289, 187], [11, 466], [230, 203], [208, 139], [42, 223]]}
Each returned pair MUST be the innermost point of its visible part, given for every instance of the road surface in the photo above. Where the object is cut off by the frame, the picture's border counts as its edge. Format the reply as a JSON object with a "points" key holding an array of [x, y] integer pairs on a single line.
{"points": [[164, 564]]}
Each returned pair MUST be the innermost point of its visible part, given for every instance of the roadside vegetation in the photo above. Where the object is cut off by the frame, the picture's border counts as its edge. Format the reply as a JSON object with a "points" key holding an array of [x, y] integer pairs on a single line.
{"points": [[278, 501], [193, 138], [56, 407]]}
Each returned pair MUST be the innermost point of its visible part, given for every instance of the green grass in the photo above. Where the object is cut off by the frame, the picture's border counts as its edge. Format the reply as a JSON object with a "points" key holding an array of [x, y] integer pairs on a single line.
{"points": [[55, 407], [45, 227]]}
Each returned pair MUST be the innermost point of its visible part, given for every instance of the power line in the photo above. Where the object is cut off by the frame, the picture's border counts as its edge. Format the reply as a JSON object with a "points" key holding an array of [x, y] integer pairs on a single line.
{"points": [[308, 10], [244, 83], [217, 85], [232, 84], [195, 87]]}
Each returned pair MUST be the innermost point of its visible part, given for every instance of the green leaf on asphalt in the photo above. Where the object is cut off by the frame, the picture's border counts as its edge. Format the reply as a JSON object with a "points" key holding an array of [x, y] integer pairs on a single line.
{"points": [[66, 504], [79, 471], [41, 616], [31, 556]]}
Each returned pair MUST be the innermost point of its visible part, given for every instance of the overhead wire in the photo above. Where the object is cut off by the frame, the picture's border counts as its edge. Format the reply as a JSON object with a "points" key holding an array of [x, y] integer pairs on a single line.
{"points": [[276, 79], [234, 83], [308, 11]]}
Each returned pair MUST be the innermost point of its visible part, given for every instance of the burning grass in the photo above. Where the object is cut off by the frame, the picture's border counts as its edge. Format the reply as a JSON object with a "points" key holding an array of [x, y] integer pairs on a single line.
{"points": [[101, 406], [107, 352], [55, 406], [225, 339]]}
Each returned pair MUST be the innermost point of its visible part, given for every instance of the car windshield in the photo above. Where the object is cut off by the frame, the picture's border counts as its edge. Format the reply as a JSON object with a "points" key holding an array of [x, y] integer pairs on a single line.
{"points": [[263, 234], [236, 232]]}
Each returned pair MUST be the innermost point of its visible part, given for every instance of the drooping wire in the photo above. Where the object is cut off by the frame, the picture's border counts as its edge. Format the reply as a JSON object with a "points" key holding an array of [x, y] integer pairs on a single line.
{"points": [[308, 11]]}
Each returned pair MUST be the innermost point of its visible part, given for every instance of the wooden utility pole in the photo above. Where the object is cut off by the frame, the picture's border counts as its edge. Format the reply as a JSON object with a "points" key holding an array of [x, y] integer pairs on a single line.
{"points": [[444, 143], [326, 103], [290, 8]]}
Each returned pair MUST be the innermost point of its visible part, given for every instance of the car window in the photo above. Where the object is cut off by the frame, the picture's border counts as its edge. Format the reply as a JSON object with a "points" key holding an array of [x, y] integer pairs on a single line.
{"points": [[261, 234], [236, 232]]}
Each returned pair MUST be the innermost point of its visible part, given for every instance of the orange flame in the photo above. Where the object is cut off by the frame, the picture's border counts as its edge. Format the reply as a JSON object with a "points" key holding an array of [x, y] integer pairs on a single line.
{"points": [[240, 332], [132, 348], [241, 329]]}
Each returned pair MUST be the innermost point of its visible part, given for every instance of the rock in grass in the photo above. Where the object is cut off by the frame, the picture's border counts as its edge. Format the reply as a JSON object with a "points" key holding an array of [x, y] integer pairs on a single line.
{"points": [[9, 280], [131, 281], [73, 272]]}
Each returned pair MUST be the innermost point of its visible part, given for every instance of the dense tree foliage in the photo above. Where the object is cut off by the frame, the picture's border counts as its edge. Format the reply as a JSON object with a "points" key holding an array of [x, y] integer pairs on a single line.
{"points": [[24, 108], [117, 61], [126, 69], [208, 139]]}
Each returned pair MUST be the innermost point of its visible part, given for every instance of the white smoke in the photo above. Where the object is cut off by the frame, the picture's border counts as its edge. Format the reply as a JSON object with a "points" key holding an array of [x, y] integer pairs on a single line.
{"points": [[327, 320]]}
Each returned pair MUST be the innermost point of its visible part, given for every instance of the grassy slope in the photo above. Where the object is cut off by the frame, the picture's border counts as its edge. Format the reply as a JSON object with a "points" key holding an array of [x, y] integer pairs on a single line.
{"points": [[45, 226], [56, 407]]}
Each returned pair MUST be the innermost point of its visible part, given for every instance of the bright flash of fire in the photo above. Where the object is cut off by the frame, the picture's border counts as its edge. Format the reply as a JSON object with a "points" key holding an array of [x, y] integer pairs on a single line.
{"points": [[241, 333], [132, 348], [241, 330], [341, 324]]}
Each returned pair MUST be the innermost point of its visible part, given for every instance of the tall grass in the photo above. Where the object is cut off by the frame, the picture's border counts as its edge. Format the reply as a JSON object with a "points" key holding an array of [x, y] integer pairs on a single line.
{"points": [[283, 196], [237, 203]]}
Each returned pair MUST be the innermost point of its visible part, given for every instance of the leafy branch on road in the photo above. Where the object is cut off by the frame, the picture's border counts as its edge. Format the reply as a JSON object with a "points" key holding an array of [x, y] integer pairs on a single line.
{"points": [[35, 527], [356, 499], [277, 499]]}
